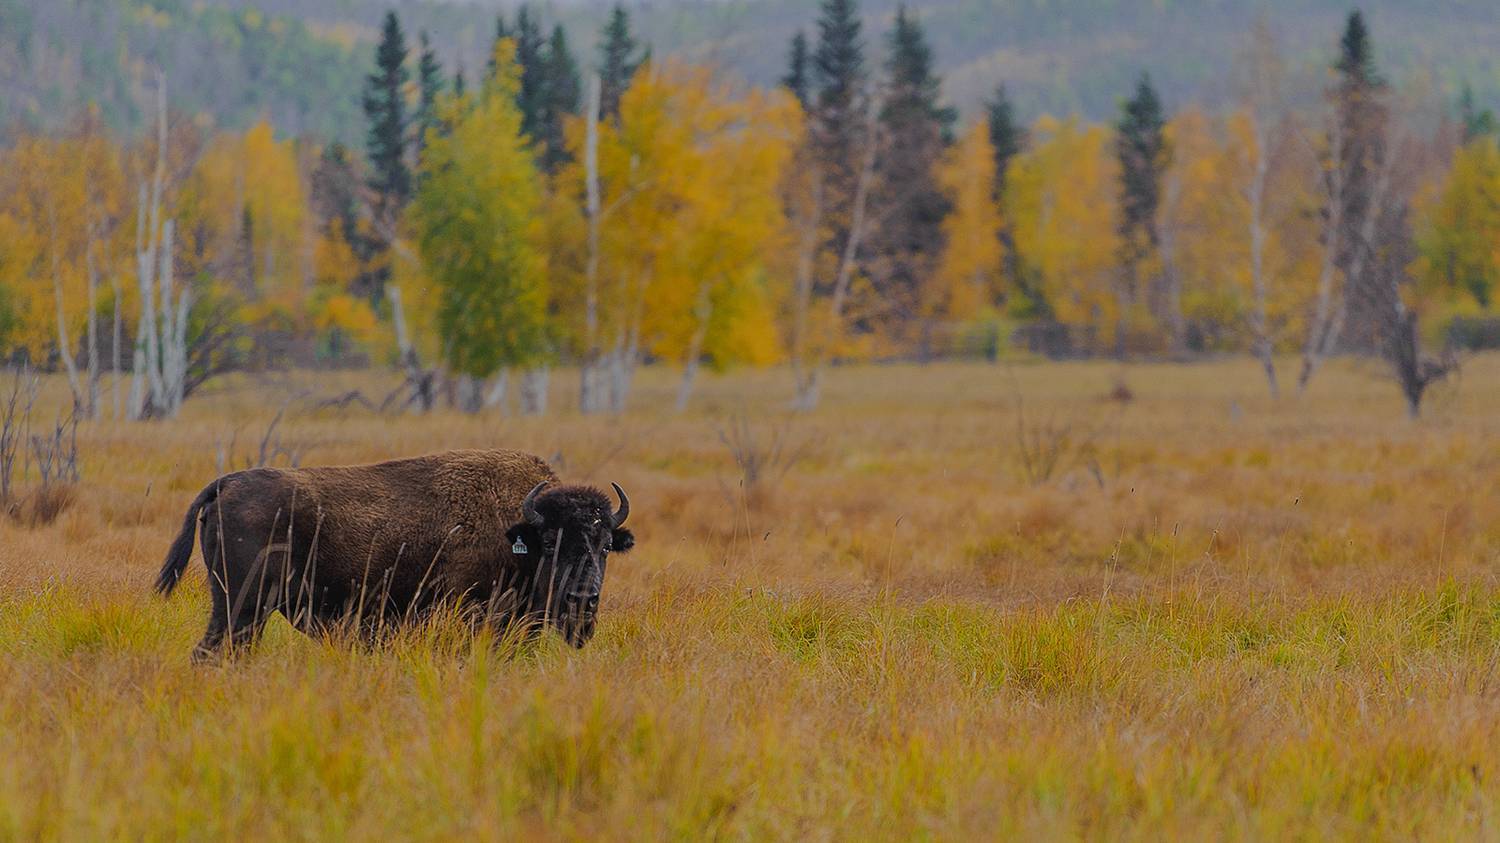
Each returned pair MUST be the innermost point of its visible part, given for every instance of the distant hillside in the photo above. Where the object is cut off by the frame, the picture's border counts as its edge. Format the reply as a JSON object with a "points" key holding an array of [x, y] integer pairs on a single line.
{"points": [[300, 62]]}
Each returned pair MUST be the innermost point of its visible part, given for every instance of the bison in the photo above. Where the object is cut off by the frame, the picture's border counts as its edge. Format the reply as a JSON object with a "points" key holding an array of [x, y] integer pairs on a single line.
{"points": [[485, 530]]}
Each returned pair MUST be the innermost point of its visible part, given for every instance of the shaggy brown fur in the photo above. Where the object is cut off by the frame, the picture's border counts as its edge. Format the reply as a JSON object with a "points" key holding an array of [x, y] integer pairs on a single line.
{"points": [[387, 541]]}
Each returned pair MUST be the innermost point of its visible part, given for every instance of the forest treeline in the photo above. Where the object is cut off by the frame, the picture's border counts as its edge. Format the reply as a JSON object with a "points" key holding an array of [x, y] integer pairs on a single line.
{"points": [[611, 209], [300, 62]]}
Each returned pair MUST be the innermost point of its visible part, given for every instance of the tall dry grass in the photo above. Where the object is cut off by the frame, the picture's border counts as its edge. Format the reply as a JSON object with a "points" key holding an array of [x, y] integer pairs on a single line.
{"points": [[1218, 616]]}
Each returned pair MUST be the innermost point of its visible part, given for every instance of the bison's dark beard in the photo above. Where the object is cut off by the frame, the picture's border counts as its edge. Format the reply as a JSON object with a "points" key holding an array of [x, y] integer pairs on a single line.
{"points": [[577, 629]]}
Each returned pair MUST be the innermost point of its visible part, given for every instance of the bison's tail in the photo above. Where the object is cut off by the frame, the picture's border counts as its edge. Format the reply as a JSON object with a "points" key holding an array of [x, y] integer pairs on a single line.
{"points": [[182, 546]]}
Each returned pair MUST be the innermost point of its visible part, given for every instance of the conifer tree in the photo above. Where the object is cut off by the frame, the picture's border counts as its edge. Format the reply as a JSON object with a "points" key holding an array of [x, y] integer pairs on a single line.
{"points": [[1357, 146], [429, 86], [911, 202], [619, 58], [1474, 121], [385, 108], [561, 93], [796, 78], [531, 61], [1141, 147], [1007, 140], [335, 197], [1007, 136], [840, 78]]}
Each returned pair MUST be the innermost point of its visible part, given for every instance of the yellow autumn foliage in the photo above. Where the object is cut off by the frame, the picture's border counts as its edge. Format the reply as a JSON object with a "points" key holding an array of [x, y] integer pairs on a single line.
{"points": [[968, 277], [1062, 192]]}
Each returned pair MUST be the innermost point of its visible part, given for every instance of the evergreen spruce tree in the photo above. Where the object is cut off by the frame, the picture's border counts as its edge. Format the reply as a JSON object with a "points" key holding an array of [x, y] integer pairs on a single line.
{"points": [[915, 127], [1473, 121], [335, 202], [1358, 144], [915, 91], [460, 85], [429, 86], [796, 78], [840, 78], [530, 59], [561, 94], [837, 128], [1141, 147], [385, 108], [619, 59], [1007, 136], [1007, 140]]}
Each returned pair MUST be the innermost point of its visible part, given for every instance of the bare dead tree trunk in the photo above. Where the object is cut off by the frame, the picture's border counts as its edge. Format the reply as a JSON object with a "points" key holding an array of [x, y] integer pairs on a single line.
{"points": [[1261, 95], [92, 334], [116, 343], [1171, 282], [146, 388], [1327, 317], [533, 391], [588, 389], [702, 312], [419, 381], [64, 344], [802, 304], [1255, 195], [467, 393], [495, 395], [808, 390]]}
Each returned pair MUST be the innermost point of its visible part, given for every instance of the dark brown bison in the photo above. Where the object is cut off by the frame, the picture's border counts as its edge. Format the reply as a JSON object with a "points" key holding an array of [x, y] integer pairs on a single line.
{"points": [[384, 543]]}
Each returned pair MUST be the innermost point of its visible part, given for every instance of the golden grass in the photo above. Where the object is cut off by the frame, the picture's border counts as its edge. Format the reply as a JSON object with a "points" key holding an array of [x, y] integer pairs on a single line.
{"points": [[1246, 620]]}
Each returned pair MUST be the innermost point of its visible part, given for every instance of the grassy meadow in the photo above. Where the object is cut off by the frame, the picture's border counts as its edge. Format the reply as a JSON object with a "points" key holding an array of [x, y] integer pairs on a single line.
{"points": [[1141, 601]]}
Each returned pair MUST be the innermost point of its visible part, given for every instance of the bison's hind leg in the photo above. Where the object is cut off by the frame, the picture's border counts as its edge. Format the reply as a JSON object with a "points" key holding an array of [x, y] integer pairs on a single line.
{"points": [[237, 586]]}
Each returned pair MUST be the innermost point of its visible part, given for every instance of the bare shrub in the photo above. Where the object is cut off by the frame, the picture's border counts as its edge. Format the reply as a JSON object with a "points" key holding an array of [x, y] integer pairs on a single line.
{"points": [[15, 428], [273, 449], [763, 456], [588, 456], [1048, 444], [53, 453]]}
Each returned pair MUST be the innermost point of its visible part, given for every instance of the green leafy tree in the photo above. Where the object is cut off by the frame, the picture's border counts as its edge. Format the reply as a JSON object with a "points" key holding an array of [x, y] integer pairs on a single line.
{"points": [[476, 218], [796, 79], [620, 56], [1460, 242], [385, 109]]}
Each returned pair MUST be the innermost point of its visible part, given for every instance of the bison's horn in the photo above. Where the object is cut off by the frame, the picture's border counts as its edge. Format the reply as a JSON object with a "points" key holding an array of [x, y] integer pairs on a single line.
{"points": [[624, 511], [528, 506]]}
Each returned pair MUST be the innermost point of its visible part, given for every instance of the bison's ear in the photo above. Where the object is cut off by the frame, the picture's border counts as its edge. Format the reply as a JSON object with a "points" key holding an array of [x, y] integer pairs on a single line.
{"points": [[524, 541], [622, 540]]}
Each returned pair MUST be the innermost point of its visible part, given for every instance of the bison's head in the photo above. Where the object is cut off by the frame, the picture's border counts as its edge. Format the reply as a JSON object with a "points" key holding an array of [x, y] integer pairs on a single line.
{"points": [[562, 545]]}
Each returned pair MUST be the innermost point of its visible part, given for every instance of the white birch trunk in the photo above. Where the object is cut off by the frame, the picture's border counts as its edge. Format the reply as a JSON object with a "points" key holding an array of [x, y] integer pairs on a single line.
{"points": [[588, 388], [91, 332], [809, 389], [533, 391]]}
